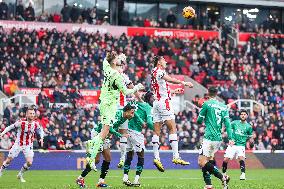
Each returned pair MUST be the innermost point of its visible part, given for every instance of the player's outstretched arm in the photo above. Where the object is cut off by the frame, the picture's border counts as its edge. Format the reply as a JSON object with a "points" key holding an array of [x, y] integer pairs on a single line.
{"points": [[137, 94], [228, 126], [114, 132], [176, 81], [41, 134], [9, 128], [121, 87]]}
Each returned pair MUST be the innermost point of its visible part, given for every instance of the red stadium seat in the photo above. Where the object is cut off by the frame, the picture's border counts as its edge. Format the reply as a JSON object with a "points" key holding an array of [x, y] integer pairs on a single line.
{"points": [[155, 50]]}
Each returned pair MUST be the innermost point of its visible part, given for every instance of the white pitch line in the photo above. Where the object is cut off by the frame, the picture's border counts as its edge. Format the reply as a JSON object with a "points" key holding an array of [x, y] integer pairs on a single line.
{"points": [[146, 177]]}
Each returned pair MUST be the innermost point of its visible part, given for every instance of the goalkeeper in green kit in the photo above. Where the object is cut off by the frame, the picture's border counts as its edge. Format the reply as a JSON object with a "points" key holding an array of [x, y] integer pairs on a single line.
{"points": [[112, 85], [214, 114], [135, 141]]}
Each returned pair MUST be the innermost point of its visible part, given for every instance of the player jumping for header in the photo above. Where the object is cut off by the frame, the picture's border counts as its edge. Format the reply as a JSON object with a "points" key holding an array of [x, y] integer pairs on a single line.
{"points": [[111, 87], [163, 112]]}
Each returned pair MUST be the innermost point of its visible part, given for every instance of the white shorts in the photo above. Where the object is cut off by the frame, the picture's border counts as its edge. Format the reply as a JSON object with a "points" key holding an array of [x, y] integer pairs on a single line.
{"points": [[209, 148], [235, 151], [163, 111], [16, 149], [106, 145], [135, 141], [124, 125]]}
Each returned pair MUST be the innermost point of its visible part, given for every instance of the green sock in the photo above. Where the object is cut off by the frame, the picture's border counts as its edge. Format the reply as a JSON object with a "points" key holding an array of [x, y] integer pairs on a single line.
{"points": [[206, 177], [97, 142]]}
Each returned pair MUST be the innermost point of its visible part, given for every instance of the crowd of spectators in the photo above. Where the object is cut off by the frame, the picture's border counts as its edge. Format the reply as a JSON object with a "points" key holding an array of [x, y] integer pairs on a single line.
{"points": [[77, 14], [270, 25], [72, 61], [68, 14]]}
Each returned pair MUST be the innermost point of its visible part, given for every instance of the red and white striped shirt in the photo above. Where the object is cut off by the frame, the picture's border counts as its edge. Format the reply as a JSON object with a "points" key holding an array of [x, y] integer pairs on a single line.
{"points": [[159, 85], [122, 97], [25, 131]]}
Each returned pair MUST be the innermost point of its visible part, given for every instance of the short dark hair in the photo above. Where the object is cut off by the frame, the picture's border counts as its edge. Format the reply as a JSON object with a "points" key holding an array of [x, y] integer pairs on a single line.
{"points": [[147, 96], [129, 107], [213, 91], [243, 110], [156, 59]]}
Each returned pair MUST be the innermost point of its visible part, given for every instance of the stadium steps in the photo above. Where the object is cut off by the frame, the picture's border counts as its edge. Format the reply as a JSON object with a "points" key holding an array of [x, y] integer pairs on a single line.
{"points": [[198, 89]]}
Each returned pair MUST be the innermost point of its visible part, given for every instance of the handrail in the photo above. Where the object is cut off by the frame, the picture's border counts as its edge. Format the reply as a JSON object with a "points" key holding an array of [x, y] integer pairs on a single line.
{"points": [[251, 104], [191, 104]]}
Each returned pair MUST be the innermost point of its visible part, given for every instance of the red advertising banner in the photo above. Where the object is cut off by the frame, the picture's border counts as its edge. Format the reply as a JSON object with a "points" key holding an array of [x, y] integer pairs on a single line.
{"points": [[176, 33], [89, 96], [244, 37], [62, 27], [114, 30]]}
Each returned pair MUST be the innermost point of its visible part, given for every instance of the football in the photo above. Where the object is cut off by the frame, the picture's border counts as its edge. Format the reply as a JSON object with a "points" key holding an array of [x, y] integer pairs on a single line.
{"points": [[188, 12]]}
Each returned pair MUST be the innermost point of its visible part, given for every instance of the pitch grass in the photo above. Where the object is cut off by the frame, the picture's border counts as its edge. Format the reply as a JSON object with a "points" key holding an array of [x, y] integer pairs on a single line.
{"points": [[191, 179]]}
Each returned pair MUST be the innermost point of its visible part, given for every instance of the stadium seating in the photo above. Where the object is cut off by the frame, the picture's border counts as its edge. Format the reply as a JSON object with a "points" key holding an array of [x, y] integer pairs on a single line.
{"points": [[64, 60]]}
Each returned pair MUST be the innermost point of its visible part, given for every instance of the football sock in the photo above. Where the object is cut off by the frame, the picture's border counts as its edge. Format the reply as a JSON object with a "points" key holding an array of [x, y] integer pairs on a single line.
{"points": [[156, 144], [242, 166], [86, 170], [24, 168], [213, 170], [213, 162], [174, 145], [140, 165], [122, 145], [206, 177], [4, 166], [224, 167], [127, 163], [104, 169]]}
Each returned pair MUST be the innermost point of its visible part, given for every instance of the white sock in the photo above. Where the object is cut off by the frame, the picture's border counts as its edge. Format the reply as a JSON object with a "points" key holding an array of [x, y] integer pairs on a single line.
{"points": [[24, 169], [101, 180], [125, 177], [136, 179], [174, 145], [80, 177], [156, 144], [122, 145], [4, 166]]}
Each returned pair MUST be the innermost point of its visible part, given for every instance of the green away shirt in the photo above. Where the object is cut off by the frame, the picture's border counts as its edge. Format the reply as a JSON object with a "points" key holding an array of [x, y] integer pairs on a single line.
{"points": [[215, 113], [142, 115], [241, 132]]}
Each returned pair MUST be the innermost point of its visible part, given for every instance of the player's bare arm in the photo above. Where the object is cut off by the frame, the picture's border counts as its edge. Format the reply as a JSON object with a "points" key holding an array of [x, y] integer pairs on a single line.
{"points": [[177, 81]]}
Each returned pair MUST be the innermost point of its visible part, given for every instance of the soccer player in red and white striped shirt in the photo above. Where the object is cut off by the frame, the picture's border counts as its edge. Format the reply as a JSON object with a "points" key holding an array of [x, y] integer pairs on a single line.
{"points": [[26, 130], [123, 128], [163, 112]]}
